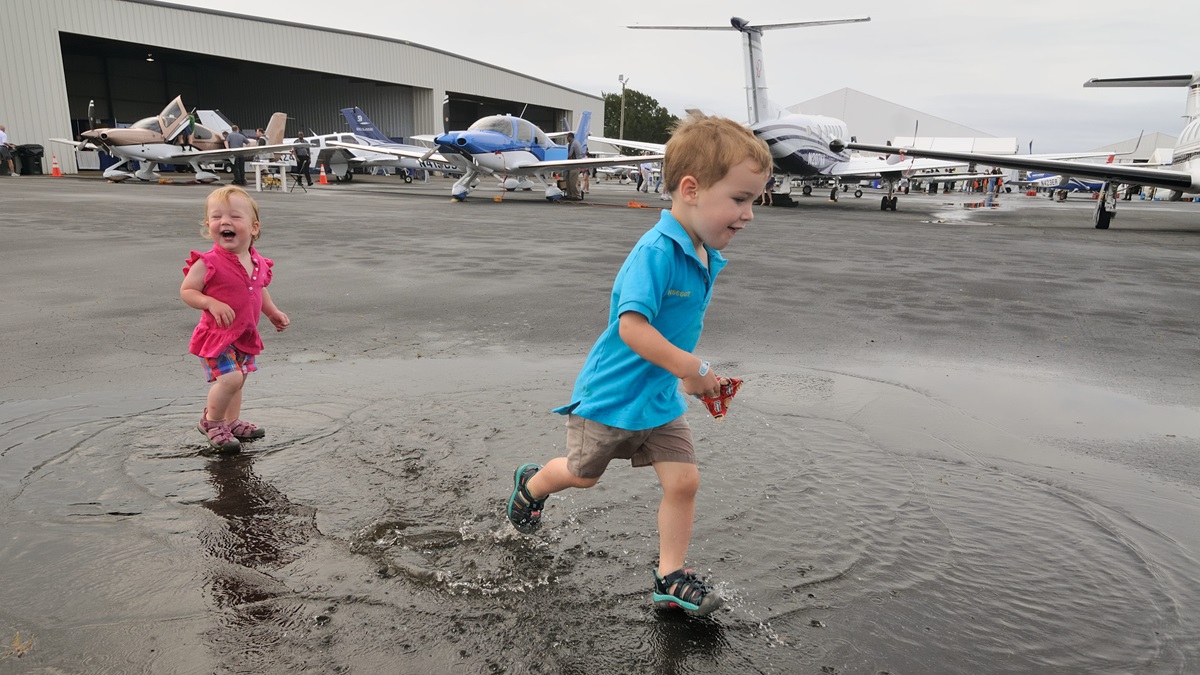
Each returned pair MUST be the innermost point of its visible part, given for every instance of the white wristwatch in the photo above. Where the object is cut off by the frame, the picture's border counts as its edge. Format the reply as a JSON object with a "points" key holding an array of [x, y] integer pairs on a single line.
{"points": [[704, 366]]}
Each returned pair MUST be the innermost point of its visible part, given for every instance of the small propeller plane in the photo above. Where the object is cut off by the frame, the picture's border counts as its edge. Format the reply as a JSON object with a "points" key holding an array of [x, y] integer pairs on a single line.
{"points": [[511, 149], [341, 160], [172, 137]]}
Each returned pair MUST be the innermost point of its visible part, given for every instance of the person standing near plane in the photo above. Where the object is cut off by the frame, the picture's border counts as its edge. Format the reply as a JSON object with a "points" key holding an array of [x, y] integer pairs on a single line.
{"points": [[6, 151], [631, 395], [574, 151], [236, 139], [303, 158]]}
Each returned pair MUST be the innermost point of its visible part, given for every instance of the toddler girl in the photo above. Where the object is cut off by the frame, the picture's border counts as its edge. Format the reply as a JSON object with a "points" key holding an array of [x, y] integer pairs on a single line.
{"points": [[229, 284]]}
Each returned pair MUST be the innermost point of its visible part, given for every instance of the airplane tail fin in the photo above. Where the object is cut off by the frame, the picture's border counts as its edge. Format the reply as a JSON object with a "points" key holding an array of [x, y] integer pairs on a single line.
{"points": [[585, 122], [361, 125], [275, 128]]}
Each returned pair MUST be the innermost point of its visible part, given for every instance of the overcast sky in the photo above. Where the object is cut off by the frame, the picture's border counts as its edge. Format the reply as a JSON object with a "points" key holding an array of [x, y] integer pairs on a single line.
{"points": [[1011, 69]]}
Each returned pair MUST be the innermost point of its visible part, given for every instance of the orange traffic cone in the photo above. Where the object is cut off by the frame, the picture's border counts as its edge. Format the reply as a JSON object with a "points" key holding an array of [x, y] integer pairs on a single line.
{"points": [[54, 170], [323, 180]]}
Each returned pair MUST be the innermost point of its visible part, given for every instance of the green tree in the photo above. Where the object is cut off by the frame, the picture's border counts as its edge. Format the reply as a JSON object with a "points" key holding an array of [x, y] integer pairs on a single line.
{"points": [[645, 119]]}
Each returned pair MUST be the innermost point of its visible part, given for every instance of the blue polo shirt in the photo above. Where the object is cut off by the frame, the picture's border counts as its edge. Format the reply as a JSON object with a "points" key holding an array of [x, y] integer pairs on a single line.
{"points": [[663, 280]]}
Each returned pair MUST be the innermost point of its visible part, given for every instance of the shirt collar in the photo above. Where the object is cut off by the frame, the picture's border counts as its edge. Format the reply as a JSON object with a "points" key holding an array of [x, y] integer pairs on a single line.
{"points": [[671, 228]]}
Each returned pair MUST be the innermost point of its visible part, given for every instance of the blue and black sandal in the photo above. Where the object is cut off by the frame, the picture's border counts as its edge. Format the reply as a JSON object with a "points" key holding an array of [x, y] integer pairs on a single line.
{"points": [[525, 512], [682, 589]]}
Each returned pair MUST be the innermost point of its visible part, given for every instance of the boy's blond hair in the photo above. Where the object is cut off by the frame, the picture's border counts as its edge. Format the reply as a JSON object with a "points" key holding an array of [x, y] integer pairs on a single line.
{"points": [[223, 195], [707, 147]]}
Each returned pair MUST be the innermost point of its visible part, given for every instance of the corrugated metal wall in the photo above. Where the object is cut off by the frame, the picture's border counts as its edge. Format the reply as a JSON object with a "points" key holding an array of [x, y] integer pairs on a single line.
{"points": [[35, 108]]}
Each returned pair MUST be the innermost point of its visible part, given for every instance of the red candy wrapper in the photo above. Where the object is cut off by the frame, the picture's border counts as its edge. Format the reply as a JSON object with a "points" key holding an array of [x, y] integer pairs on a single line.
{"points": [[719, 405]]}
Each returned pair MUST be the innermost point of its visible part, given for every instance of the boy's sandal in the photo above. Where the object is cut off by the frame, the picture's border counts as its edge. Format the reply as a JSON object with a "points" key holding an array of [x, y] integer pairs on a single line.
{"points": [[245, 431], [684, 590], [219, 436], [525, 512]]}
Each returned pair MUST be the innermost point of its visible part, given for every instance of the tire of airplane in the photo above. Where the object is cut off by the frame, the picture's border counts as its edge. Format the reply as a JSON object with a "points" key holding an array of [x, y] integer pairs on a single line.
{"points": [[807, 190], [857, 194]]}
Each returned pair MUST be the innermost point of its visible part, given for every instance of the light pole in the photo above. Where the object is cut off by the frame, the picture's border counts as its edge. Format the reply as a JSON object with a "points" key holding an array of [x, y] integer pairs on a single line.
{"points": [[623, 80]]}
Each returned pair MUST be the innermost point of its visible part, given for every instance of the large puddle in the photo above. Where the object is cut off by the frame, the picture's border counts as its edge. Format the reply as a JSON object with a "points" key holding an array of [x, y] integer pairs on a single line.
{"points": [[902, 520]]}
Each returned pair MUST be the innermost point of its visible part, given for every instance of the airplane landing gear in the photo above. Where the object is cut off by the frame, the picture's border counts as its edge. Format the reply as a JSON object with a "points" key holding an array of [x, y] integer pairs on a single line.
{"points": [[1106, 206], [858, 193], [806, 190], [833, 194]]}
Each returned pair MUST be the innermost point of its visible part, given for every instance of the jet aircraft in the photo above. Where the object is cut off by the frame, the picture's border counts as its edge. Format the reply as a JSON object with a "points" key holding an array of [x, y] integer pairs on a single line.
{"points": [[801, 144], [172, 137], [341, 160], [511, 149], [1182, 180]]}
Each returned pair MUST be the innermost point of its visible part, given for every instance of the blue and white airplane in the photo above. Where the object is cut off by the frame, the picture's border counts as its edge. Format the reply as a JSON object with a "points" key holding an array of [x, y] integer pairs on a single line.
{"points": [[340, 160], [512, 150]]}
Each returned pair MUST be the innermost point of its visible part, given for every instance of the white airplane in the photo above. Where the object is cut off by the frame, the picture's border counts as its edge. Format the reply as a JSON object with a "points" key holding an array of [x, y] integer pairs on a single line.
{"points": [[340, 160], [1183, 180], [172, 137], [801, 145], [513, 150]]}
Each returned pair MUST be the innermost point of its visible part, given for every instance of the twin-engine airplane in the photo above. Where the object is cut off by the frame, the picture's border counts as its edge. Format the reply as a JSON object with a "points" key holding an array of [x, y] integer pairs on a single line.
{"points": [[1181, 181], [341, 160], [513, 150], [172, 137]]}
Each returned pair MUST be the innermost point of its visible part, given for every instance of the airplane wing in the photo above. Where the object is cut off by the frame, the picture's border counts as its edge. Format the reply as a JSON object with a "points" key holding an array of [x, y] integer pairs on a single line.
{"points": [[244, 151], [585, 163], [395, 151], [1174, 180], [658, 148]]}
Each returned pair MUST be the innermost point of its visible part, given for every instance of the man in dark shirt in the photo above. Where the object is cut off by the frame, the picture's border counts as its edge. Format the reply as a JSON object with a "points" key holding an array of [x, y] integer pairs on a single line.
{"points": [[237, 139]]}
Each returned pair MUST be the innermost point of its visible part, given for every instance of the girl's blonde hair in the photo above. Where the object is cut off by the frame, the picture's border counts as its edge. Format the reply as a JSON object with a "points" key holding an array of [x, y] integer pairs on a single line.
{"points": [[706, 148], [223, 194]]}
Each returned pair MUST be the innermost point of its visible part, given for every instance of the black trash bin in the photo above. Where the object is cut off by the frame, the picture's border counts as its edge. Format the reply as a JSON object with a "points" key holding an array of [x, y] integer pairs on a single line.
{"points": [[31, 159]]}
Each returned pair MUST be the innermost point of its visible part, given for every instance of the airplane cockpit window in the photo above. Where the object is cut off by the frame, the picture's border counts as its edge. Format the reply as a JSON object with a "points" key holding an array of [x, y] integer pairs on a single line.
{"points": [[524, 131], [498, 123], [542, 139], [201, 133], [150, 123], [347, 138], [172, 113]]}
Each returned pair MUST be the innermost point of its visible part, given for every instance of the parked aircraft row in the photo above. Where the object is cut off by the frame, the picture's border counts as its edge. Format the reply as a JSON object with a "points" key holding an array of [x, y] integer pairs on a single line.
{"points": [[172, 137], [517, 153]]}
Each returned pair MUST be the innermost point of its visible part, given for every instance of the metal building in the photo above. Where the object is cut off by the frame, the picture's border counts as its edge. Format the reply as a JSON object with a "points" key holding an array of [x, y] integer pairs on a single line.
{"points": [[133, 56], [874, 120]]}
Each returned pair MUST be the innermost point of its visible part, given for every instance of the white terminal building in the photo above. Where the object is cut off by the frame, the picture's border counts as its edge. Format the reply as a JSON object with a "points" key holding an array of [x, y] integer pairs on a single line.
{"points": [[132, 57]]}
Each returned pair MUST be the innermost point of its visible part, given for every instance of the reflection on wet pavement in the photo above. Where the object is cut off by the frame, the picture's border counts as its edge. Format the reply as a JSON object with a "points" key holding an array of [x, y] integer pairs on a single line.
{"points": [[861, 524]]}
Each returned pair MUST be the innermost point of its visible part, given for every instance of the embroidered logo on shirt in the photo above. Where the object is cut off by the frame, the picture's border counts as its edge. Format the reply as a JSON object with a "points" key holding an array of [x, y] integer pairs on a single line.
{"points": [[681, 294]]}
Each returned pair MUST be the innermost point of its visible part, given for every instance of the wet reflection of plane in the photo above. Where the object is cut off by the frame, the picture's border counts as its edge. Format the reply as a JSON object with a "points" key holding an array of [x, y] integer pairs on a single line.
{"points": [[1183, 179], [511, 149], [166, 139], [341, 160]]}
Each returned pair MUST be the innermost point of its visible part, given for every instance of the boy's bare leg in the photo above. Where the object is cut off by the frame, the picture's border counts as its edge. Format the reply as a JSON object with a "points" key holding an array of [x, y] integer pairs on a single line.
{"points": [[222, 395], [680, 482], [555, 477]]}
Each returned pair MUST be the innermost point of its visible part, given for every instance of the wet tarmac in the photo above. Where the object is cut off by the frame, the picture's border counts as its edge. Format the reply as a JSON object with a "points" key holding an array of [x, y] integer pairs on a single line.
{"points": [[969, 441]]}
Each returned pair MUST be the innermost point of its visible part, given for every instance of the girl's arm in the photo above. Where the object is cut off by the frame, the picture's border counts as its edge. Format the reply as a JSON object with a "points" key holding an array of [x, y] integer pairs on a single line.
{"points": [[278, 318], [648, 343], [192, 294]]}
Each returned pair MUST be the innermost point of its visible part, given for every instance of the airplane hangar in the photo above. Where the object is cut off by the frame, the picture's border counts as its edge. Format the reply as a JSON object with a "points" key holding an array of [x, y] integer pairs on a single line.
{"points": [[133, 56]]}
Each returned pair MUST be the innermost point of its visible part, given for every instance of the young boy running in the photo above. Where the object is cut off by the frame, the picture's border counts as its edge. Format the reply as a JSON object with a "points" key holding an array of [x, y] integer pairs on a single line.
{"points": [[627, 401]]}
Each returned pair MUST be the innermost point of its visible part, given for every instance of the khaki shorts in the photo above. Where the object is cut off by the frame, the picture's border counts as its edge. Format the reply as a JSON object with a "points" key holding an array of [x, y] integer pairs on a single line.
{"points": [[592, 445]]}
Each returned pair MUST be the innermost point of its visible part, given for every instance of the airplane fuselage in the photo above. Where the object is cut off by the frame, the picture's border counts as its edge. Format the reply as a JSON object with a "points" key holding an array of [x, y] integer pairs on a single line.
{"points": [[799, 144]]}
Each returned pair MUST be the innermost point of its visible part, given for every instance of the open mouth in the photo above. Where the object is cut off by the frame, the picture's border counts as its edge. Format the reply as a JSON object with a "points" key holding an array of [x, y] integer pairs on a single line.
{"points": [[228, 235]]}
